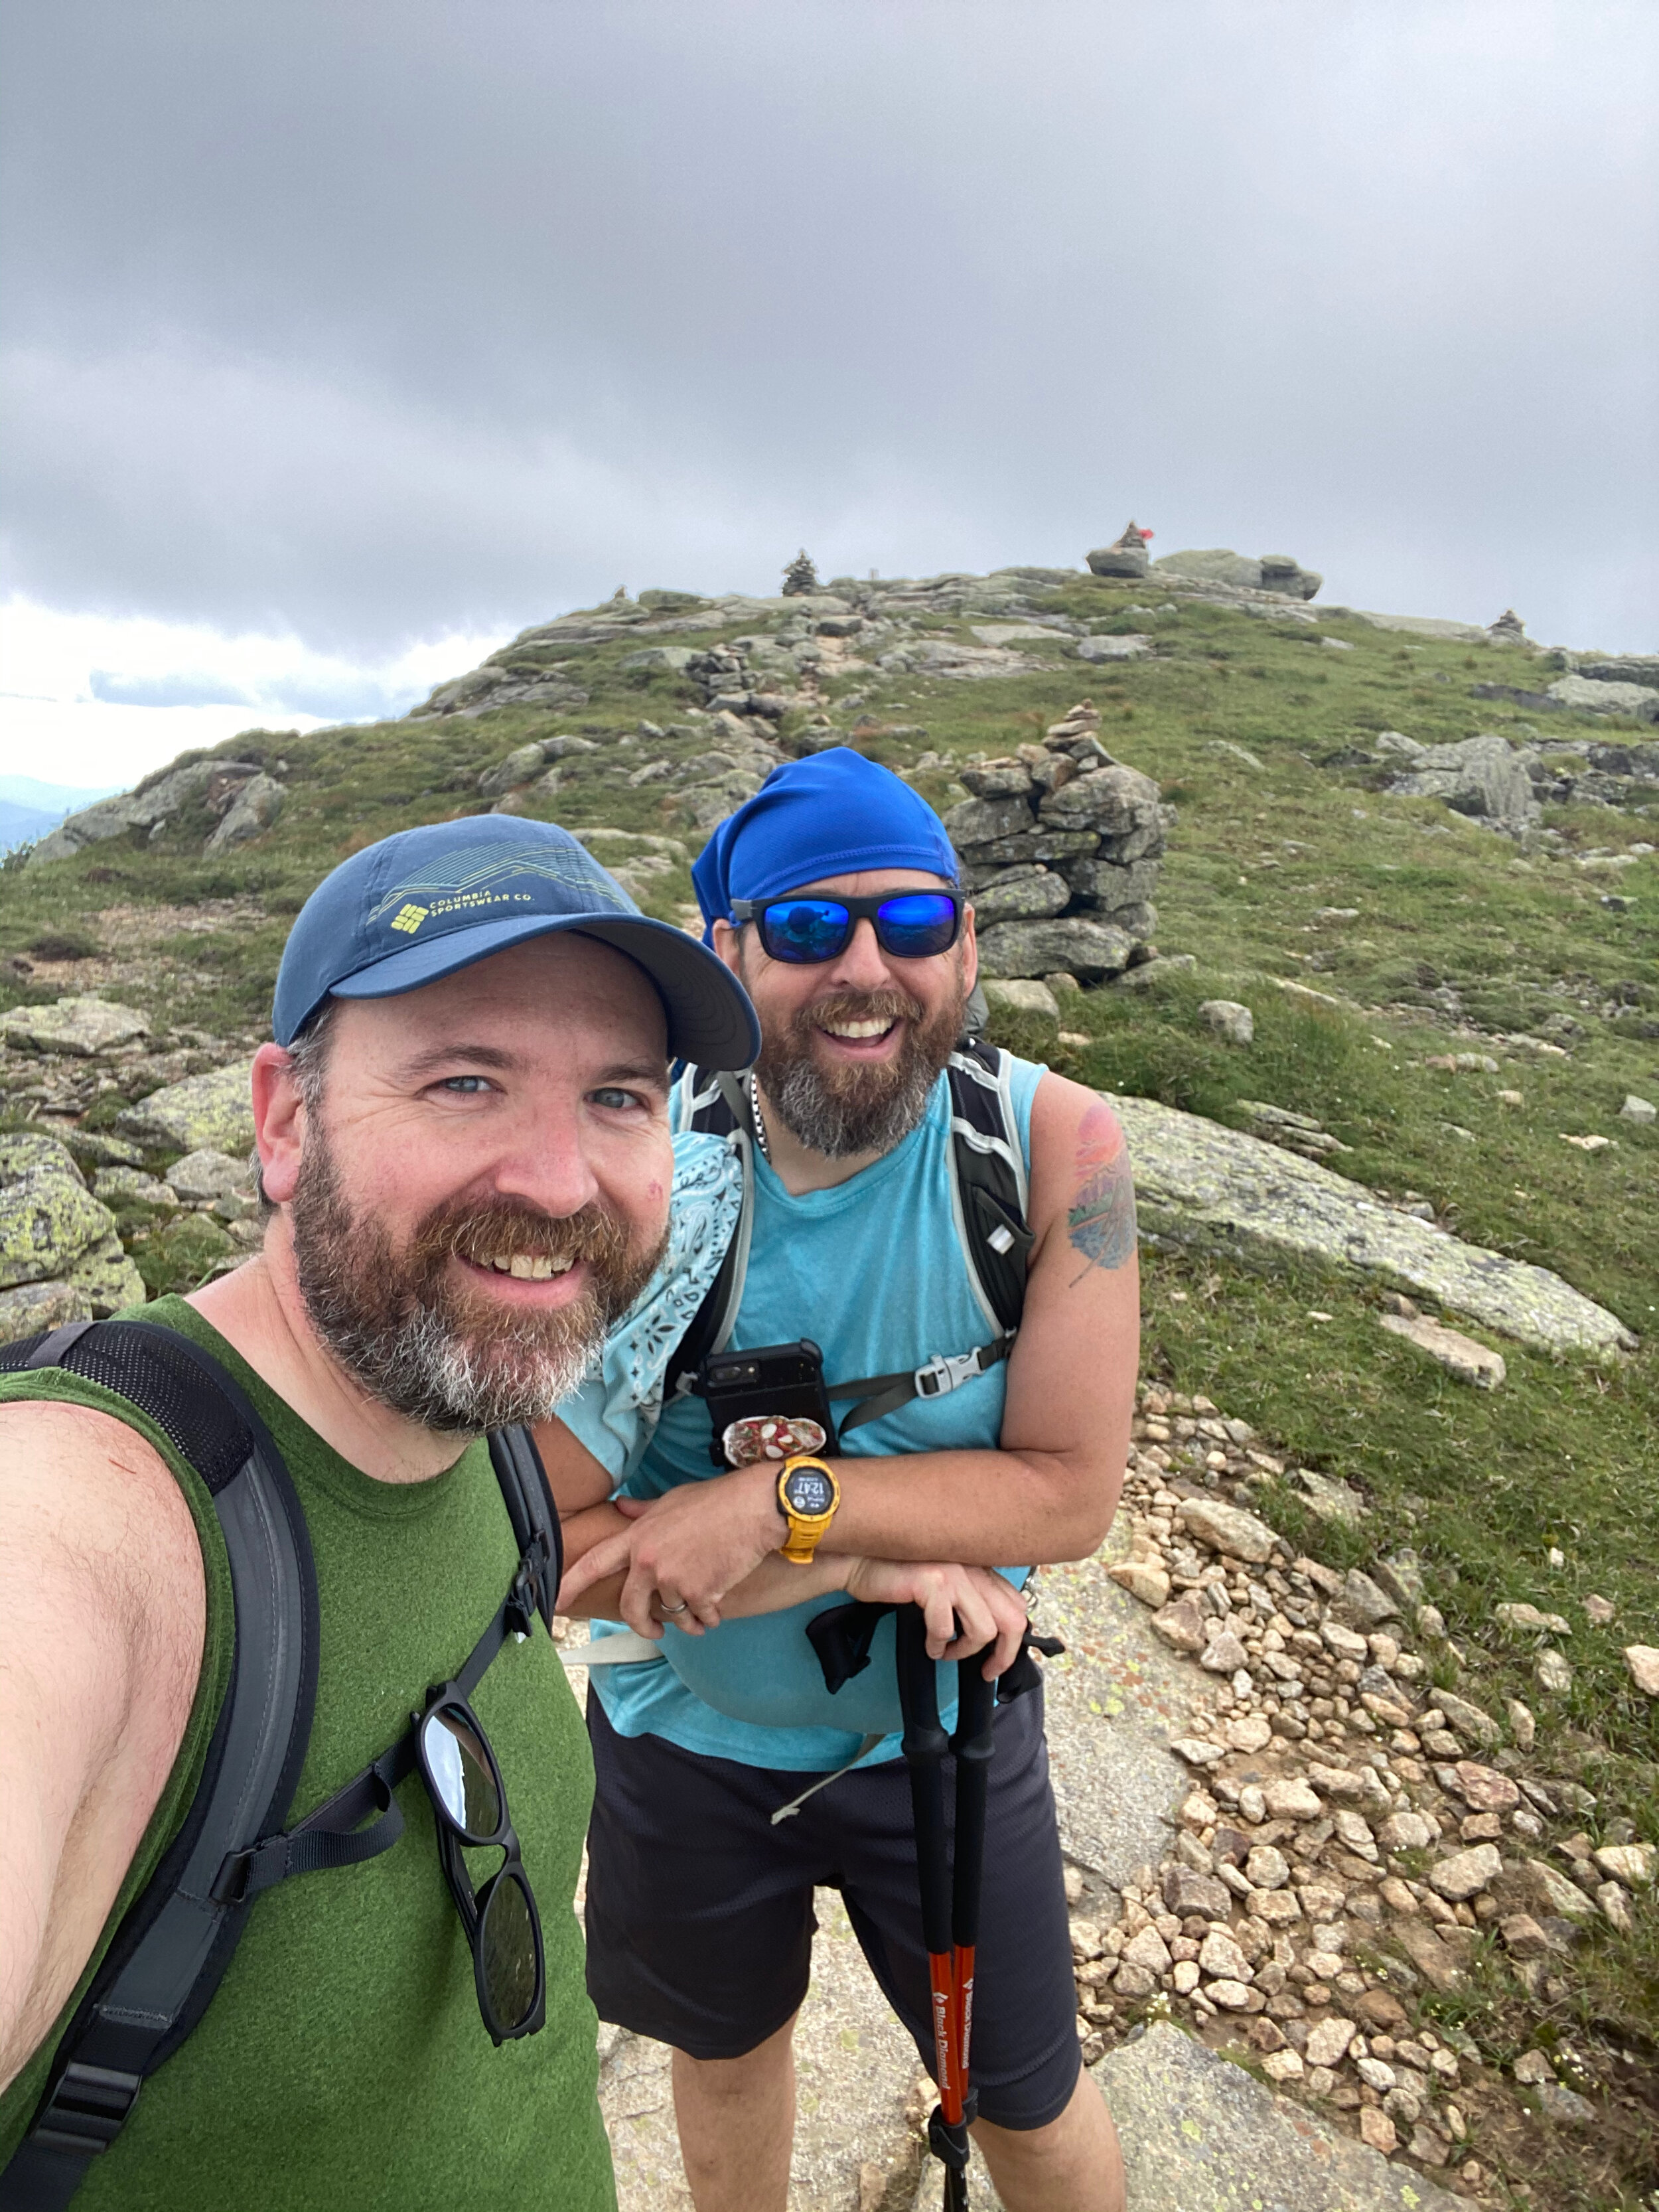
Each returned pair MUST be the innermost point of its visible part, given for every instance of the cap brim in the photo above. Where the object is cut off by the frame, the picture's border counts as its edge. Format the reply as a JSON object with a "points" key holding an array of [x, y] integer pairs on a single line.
{"points": [[710, 1020]]}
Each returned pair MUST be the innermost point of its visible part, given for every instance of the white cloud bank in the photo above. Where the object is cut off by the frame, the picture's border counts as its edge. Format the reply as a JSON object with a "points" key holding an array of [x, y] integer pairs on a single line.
{"points": [[93, 700]]}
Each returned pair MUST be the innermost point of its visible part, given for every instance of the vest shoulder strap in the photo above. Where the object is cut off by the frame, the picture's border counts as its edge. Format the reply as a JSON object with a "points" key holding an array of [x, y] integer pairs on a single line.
{"points": [[989, 1199]]}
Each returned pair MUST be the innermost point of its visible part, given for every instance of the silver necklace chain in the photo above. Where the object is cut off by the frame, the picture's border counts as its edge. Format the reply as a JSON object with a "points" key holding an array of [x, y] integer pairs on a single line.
{"points": [[755, 1116]]}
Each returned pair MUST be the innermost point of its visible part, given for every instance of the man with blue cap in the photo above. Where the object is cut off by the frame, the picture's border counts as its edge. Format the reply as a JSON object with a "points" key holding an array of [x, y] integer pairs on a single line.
{"points": [[465, 1160], [949, 1232]]}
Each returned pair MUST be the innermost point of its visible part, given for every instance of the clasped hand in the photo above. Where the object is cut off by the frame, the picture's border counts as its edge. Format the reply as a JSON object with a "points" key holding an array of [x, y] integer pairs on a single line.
{"points": [[698, 1542]]}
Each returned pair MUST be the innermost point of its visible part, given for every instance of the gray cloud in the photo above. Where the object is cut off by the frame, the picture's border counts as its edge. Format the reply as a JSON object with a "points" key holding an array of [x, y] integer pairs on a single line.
{"points": [[375, 320]]}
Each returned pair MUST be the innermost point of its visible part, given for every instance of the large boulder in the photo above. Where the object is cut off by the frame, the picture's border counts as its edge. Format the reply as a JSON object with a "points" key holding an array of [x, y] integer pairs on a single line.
{"points": [[985, 821], [213, 1111], [1589, 695], [52, 1230], [155, 801], [1031, 893], [1120, 803], [1125, 556], [1219, 565], [1075, 944], [253, 808], [1483, 777], [1108, 886], [83, 1027], [1198, 1184]]}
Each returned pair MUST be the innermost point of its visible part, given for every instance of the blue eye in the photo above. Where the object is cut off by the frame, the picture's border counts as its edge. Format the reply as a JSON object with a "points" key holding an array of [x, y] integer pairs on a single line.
{"points": [[465, 1084], [615, 1100]]}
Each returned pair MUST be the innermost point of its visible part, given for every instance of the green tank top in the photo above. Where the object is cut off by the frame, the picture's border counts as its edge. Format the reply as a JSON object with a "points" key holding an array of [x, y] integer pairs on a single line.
{"points": [[343, 2061]]}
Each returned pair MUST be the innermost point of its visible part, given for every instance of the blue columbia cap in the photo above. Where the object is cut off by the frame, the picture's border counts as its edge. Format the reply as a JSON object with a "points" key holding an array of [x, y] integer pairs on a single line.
{"points": [[423, 903]]}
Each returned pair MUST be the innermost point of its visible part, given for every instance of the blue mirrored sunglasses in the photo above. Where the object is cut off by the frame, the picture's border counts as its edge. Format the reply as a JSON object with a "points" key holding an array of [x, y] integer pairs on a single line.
{"points": [[908, 924]]}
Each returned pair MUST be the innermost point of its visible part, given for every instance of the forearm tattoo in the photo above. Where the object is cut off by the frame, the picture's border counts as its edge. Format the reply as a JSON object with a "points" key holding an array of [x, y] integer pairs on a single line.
{"points": [[1101, 1219]]}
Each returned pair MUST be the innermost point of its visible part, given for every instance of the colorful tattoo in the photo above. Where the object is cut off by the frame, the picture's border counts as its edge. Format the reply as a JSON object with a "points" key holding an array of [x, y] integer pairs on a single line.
{"points": [[1101, 1219]]}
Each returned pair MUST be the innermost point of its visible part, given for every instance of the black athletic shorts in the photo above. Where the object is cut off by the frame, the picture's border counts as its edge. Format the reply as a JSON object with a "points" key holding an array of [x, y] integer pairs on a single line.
{"points": [[700, 1916]]}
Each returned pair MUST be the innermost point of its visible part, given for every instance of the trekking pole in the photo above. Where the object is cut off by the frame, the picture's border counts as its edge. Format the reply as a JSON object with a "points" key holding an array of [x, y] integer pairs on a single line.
{"points": [[972, 1744], [950, 1911]]}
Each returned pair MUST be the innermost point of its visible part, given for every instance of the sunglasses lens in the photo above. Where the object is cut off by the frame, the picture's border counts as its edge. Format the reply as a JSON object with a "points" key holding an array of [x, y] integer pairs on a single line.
{"points": [[507, 1938], [917, 925], [805, 929], [461, 1773]]}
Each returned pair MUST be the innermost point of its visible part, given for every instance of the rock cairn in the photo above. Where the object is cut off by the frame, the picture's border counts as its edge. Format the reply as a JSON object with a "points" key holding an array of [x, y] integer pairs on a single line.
{"points": [[800, 576], [1126, 556], [1351, 1829], [1060, 846]]}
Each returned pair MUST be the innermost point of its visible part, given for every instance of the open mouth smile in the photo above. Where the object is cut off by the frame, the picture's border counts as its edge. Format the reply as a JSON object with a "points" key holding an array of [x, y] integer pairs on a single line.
{"points": [[859, 1036], [527, 1267]]}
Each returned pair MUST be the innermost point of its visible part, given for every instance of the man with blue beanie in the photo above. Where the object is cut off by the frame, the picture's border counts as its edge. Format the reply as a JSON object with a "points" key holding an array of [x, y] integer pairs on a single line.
{"points": [[952, 1229]]}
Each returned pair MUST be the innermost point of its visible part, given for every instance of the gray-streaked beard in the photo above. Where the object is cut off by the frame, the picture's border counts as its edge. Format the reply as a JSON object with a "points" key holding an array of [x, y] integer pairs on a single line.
{"points": [[853, 1110], [398, 1324]]}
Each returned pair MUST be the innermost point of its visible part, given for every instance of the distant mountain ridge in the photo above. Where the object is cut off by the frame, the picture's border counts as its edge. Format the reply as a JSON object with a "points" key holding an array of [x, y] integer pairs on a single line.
{"points": [[29, 808]]}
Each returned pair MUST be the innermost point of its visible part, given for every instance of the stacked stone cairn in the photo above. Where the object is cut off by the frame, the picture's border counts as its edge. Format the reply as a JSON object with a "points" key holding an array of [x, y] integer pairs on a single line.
{"points": [[1060, 846], [800, 577]]}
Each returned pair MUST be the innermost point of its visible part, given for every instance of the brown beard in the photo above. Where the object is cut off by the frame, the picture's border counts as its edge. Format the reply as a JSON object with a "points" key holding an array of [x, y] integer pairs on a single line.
{"points": [[849, 1110], [396, 1321]]}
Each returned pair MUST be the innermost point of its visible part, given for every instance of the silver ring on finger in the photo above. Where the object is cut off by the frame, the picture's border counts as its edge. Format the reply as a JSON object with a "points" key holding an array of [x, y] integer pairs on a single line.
{"points": [[669, 1611]]}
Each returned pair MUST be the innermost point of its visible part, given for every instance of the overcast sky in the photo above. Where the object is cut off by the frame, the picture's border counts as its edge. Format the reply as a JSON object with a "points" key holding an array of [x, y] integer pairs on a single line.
{"points": [[341, 341]]}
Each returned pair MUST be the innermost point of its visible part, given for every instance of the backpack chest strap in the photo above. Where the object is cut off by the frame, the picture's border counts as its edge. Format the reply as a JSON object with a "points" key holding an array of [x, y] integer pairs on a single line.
{"points": [[878, 1395]]}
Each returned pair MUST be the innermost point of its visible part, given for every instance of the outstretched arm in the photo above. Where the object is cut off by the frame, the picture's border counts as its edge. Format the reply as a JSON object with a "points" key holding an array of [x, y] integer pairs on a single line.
{"points": [[1048, 1494], [103, 1614]]}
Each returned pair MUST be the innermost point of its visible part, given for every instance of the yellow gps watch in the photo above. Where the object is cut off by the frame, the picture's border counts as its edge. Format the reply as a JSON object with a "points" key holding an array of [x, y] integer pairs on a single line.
{"points": [[808, 1495]]}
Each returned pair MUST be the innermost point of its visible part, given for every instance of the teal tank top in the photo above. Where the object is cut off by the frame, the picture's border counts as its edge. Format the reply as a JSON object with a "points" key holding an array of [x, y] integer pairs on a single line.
{"points": [[873, 1271]]}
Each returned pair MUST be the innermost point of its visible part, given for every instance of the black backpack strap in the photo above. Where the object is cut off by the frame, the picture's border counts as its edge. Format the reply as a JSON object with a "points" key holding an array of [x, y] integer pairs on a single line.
{"points": [[332, 1833], [174, 1944], [990, 1190], [716, 1106]]}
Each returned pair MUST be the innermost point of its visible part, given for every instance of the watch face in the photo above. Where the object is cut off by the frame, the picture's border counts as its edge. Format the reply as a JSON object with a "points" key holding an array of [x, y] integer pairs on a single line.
{"points": [[808, 1491]]}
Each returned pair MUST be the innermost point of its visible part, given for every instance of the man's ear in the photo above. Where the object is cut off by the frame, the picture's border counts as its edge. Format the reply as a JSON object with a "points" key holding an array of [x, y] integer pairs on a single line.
{"points": [[278, 1122], [728, 944], [970, 945]]}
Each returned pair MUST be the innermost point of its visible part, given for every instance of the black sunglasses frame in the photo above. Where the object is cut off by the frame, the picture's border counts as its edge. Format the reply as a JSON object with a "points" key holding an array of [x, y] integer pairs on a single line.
{"points": [[474, 1906], [857, 910]]}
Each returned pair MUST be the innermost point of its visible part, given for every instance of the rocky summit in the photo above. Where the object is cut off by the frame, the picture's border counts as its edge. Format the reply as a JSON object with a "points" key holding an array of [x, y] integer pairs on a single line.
{"points": [[1349, 915]]}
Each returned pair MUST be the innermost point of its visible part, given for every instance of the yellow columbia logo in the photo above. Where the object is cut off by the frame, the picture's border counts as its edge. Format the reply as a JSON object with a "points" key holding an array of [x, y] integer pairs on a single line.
{"points": [[409, 918]]}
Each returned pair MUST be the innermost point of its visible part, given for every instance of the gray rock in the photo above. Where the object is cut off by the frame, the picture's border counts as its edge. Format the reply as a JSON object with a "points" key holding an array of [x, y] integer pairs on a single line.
{"points": [[155, 799], [1280, 573], [81, 1026], [256, 805], [1402, 1576], [1468, 1720], [1233, 1022], [1115, 801], [30, 1307], [1046, 845], [520, 766], [1088, 950], [1228, 1529], [213, 1111], [1449, 1348], [1199, 2131], [53, 1230], [1022, 997], [1108, 886], [118, 1186], [1114, 648], [984, 821], [1424, 626], [1151, 974], [1364, 1603], [1483, 777], [1126, 556], [103, 1150], [209, 1175], [1198, 1184], [1638, 1109], [671, 658], [1586, 696], [1396, 741], [1108, 1699], [1026, 894], [1220, 565]]}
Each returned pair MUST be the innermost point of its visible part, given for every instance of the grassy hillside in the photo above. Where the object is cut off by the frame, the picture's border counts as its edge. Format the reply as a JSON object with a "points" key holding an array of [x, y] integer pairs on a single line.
{"points": [[1430, 934]]}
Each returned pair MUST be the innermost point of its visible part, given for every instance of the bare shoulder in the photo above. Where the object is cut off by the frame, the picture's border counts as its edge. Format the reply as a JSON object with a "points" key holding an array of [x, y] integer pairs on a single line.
{"points": [[1082, 1188], [83, 1496]]}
